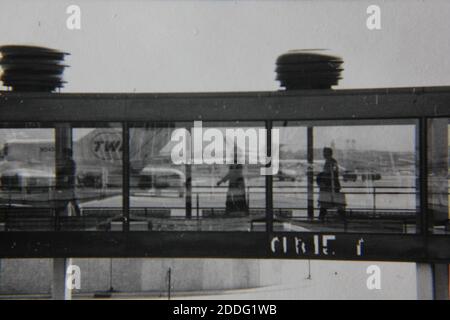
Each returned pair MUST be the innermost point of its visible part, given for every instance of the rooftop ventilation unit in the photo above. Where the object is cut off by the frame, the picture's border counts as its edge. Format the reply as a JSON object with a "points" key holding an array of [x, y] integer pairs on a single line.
{"points": [[307, 69], [32, 69]]}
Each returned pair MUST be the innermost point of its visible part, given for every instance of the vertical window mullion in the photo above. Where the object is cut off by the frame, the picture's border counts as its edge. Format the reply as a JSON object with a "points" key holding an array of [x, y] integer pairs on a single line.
{"points": [[126, 176], [269, 181]]}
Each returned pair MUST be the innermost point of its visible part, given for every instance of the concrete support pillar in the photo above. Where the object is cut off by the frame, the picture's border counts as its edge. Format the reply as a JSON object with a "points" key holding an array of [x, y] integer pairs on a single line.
{"points": [[60, 290], [432, 281], [441, 281], [424, 280]]}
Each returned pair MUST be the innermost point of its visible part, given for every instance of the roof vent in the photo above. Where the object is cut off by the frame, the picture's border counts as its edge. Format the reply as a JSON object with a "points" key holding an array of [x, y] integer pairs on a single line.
{"points": [[32, 69], [307, 69]]}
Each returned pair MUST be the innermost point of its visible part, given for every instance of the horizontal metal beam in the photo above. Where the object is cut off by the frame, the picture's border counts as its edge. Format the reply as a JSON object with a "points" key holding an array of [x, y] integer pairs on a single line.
{"points": [[299, 105], [258, 245]]}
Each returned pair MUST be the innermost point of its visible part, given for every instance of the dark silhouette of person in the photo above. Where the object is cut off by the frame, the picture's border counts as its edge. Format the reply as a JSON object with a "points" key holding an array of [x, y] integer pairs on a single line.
{"points": [[70, 173], [330, 187], [236, 200]]}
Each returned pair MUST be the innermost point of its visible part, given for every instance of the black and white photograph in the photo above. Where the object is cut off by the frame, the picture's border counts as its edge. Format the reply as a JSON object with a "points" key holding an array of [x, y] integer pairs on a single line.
{"points": [[224, 150]]}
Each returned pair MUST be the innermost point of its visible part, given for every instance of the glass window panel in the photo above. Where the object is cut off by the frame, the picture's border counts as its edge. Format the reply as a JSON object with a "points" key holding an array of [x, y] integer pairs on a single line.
{"points": [[92, 177], [158, 191], [228, 186], [290, 184], [355, 177], [438, 175], [27, 179], [169, 193]]}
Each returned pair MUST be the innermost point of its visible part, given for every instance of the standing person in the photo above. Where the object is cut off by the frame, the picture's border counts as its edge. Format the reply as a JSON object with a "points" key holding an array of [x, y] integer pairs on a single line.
{"points": [[329, 186], [236, 201], [70, 173]]}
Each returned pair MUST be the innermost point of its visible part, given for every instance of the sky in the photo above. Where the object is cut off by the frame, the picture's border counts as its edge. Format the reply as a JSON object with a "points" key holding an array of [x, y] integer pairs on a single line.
{"points": [[392, 138], [186, 46]]}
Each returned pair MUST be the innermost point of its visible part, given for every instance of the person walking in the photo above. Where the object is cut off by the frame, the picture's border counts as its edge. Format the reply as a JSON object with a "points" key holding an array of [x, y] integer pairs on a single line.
{"points": [[330, 195]]}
